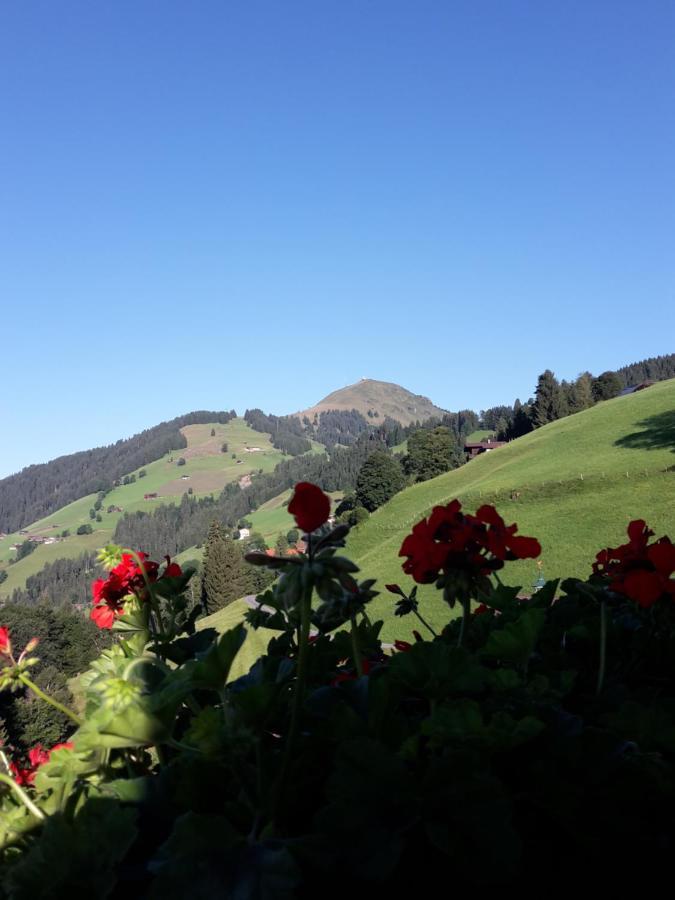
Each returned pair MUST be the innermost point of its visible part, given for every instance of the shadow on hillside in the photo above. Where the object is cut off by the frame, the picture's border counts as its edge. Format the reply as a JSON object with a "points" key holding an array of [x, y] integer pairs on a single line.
{"points": [[658, 434]]}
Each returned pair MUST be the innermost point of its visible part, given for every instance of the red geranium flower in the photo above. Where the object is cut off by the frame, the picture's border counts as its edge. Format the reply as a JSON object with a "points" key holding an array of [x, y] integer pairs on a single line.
{"points": [[451, 542], [128, 577], [5, 642], [638, 570], [310, 506], [37, 757], [172, 570]]}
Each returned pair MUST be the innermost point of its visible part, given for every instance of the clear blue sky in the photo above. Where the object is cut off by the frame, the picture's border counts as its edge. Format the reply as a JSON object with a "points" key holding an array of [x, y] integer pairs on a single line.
{"points": [[227, 204]]}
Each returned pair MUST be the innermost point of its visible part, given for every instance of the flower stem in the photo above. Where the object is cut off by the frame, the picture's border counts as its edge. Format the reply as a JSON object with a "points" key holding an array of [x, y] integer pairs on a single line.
{"points": [[356, 652], [23, 797], [425, 623], [24, 679], [603, 646], [298, 693], [466, 605]]}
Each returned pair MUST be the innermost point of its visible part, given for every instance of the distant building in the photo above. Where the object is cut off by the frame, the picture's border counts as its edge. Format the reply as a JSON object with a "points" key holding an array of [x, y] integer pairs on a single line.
{"points": [[475, 448], [636, 387], [150, 496]]}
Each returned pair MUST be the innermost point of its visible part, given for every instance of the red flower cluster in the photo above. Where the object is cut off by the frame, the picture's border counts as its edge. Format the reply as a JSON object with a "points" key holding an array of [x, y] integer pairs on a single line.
{"points": [[37, 757], [639, 570], [125, 579], [451, 541], [310, 506]]}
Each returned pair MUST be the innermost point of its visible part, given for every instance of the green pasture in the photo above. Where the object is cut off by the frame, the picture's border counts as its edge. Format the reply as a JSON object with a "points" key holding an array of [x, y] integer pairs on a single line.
{"points": [[480, 435], [574, 484]]}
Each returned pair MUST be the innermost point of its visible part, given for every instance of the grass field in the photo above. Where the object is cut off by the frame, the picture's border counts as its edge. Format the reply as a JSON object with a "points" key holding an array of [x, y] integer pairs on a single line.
{"points": [[207, 470], [580, 481], [256, 641], [480, 435]]}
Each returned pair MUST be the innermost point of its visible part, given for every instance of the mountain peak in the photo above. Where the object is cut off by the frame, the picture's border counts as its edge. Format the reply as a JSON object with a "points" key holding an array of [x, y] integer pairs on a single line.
{"points": [[378, 397]]}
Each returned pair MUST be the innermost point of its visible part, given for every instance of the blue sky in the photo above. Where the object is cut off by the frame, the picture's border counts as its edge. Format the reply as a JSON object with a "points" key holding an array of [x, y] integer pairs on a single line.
{"points": [[219, 204]]}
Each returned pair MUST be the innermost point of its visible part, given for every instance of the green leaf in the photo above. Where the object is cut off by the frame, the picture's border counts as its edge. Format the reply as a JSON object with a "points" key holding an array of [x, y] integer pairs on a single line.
{"points": [[211, 669], [515, 642], [463, 723], [205, 858], [433, 669], [134, 726], [501, 598], [75, 859]]}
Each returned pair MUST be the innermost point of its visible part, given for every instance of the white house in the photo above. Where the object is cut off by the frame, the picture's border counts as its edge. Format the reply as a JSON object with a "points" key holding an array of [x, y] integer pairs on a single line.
{"points": [[244, 533]]}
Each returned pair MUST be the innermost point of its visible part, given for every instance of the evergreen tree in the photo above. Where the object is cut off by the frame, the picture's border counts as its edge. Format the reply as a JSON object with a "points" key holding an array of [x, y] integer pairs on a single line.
{"points": [[606, 386], [224, 571], [380, 478], [550, 403], [581, 393], [522, 420]]}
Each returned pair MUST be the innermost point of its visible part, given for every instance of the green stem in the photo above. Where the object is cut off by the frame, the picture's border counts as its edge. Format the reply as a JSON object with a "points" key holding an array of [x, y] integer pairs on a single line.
{"points": [[298, 693], [24, 679], [425, 623], [356, 652], [466, 607], [603, 647], [23, 797]]}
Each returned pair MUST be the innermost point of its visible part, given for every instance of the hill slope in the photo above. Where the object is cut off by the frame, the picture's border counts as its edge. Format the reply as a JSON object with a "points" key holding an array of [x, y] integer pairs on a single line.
{"points": [[207, 470], [382, 397], [580, 480], [39, 490]]}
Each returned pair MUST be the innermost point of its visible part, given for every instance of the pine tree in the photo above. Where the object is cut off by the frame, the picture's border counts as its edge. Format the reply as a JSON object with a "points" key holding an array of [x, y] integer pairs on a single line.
{"points": [[224, 571], [550, 403]]}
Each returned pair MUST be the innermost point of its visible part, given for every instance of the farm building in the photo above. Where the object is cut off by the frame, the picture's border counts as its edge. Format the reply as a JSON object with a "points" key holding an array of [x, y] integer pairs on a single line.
{"points": [[474, 448]]}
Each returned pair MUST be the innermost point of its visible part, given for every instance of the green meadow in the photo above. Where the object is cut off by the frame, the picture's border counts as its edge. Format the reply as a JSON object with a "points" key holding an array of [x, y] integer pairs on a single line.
{"points": [[574, 484]]}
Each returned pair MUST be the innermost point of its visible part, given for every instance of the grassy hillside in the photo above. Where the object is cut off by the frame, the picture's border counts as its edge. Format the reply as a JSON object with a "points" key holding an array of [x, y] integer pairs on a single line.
{"points": [[256, 640], [580, 480], [382, 397], [480, 435], [207, 470]]}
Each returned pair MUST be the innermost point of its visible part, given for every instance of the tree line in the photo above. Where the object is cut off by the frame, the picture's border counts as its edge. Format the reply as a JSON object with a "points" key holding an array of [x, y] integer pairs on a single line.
{"points": [[68, 643], [286, 432], [38, 490], [554, 399]]}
